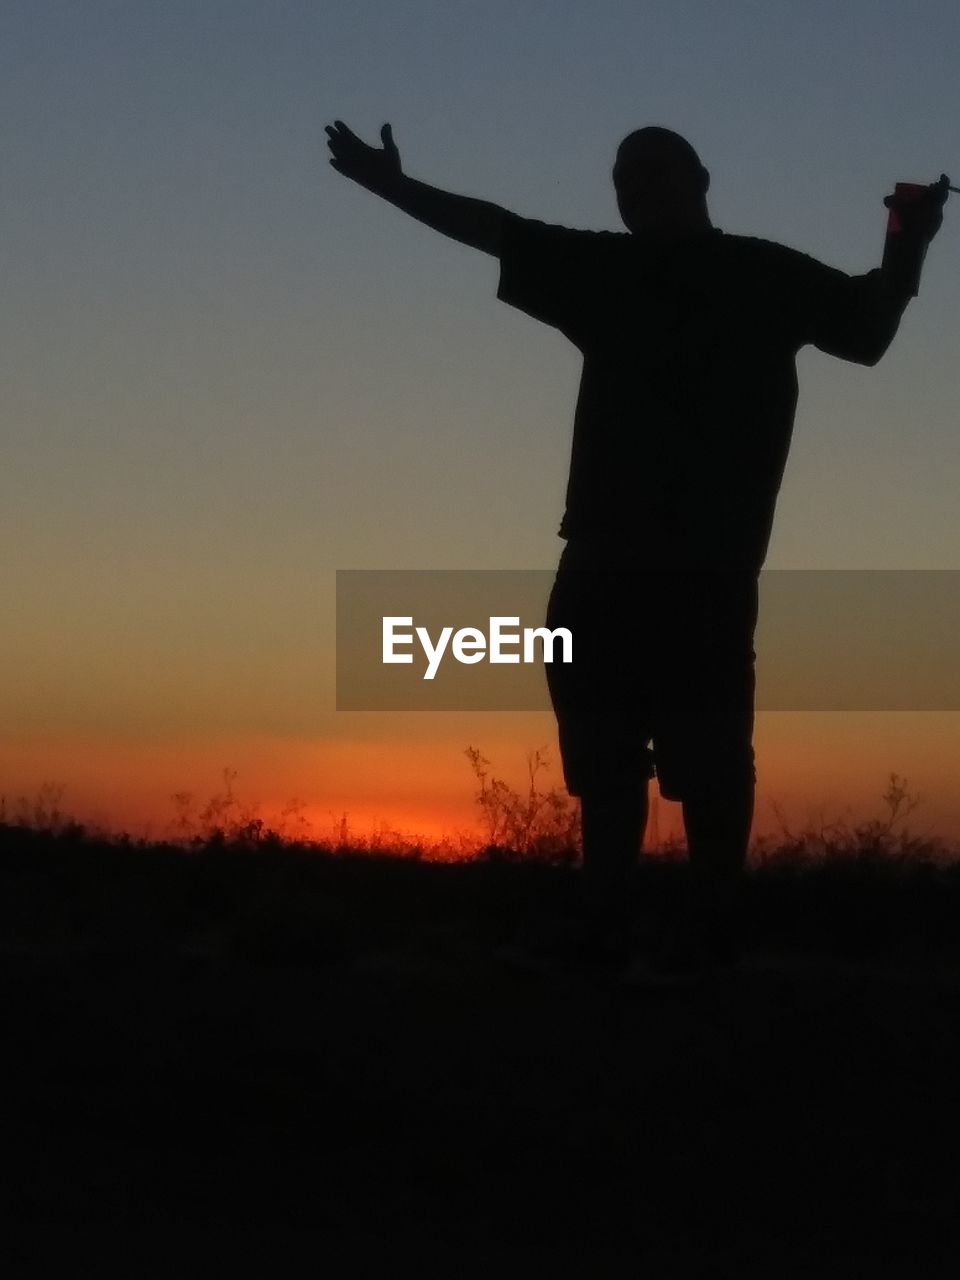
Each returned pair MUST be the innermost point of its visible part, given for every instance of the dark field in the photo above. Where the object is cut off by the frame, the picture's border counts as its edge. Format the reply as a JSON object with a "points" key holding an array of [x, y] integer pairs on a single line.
{"points": [[240, 1054]]}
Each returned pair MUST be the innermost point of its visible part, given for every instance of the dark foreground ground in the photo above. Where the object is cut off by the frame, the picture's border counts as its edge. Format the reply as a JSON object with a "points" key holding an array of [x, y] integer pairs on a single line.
{"points": [[231, 1056]]}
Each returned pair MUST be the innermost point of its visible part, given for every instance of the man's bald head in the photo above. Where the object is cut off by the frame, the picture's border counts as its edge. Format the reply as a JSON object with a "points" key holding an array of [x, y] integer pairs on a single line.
{"points": [[660, 181]]}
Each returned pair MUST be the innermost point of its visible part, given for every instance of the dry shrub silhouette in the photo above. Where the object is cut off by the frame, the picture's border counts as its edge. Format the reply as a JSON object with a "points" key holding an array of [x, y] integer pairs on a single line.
{"points": [[226, 821], [885, 838], [223, 820], [43, 812], [535, 824]]}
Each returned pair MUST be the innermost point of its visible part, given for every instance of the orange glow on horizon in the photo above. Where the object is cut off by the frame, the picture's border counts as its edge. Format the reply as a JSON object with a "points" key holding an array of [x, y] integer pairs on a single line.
{"points": [[420, 785]]}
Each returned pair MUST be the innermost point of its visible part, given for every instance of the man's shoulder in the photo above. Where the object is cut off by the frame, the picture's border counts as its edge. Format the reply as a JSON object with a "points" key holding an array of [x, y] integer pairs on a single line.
{"points": [[520, 223], [523, 237], [757, 247], [767, 254]]}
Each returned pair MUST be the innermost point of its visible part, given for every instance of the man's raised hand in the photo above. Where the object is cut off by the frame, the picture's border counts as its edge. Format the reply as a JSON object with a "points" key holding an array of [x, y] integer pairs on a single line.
{"points": [[376, 168], [477, 223]]}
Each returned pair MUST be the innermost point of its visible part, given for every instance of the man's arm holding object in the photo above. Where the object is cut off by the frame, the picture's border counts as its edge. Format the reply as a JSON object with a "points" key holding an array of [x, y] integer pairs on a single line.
{"points": [[856, 317]]}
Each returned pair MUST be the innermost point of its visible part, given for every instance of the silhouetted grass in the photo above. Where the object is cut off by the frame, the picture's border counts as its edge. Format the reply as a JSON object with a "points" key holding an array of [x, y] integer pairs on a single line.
{"points": [[275, 900]]}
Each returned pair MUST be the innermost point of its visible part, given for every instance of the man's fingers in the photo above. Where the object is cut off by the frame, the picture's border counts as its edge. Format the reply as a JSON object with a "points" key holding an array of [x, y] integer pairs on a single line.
{"points": [[346, 135], [345, 143]]}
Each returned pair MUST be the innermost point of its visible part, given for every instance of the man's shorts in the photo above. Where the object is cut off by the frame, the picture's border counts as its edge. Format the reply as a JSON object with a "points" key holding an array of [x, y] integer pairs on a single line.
{"points": [[662, 677]]}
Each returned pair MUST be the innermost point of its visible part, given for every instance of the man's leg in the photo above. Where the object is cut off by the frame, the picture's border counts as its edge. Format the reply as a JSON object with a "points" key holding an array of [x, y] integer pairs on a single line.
{"points": [[717, 775], [705, 760], [606, 762], [717, 814], [613, 818]]}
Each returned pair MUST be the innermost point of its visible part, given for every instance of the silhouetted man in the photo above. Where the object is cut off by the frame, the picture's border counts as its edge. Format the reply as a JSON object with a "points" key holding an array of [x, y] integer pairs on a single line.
{"points": [[689, 337]]}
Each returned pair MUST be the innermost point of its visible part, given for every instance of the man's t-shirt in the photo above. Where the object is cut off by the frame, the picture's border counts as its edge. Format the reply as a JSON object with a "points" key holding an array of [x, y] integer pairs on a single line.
{"points": [[689, 384]]}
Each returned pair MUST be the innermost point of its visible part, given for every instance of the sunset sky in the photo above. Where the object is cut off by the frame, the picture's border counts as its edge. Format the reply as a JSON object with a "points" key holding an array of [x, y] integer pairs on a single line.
{"points": [[227, 371]]}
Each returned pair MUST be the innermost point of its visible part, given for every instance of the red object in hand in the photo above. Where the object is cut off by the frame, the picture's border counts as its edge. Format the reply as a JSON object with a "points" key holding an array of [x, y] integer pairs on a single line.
{"points": [[905, 246], [904, 193]]}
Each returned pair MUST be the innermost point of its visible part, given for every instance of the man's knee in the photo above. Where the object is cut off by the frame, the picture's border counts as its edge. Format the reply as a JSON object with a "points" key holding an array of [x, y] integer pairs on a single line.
{"points": [[707, 776]]}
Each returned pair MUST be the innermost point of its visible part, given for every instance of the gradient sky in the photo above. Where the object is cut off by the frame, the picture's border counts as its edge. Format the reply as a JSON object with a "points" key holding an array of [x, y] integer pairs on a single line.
{"points": [[227, 371]]}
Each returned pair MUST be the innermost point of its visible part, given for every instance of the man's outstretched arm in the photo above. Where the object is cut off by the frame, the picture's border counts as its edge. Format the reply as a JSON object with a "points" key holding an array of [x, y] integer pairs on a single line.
{"points": [[477, 223]]}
